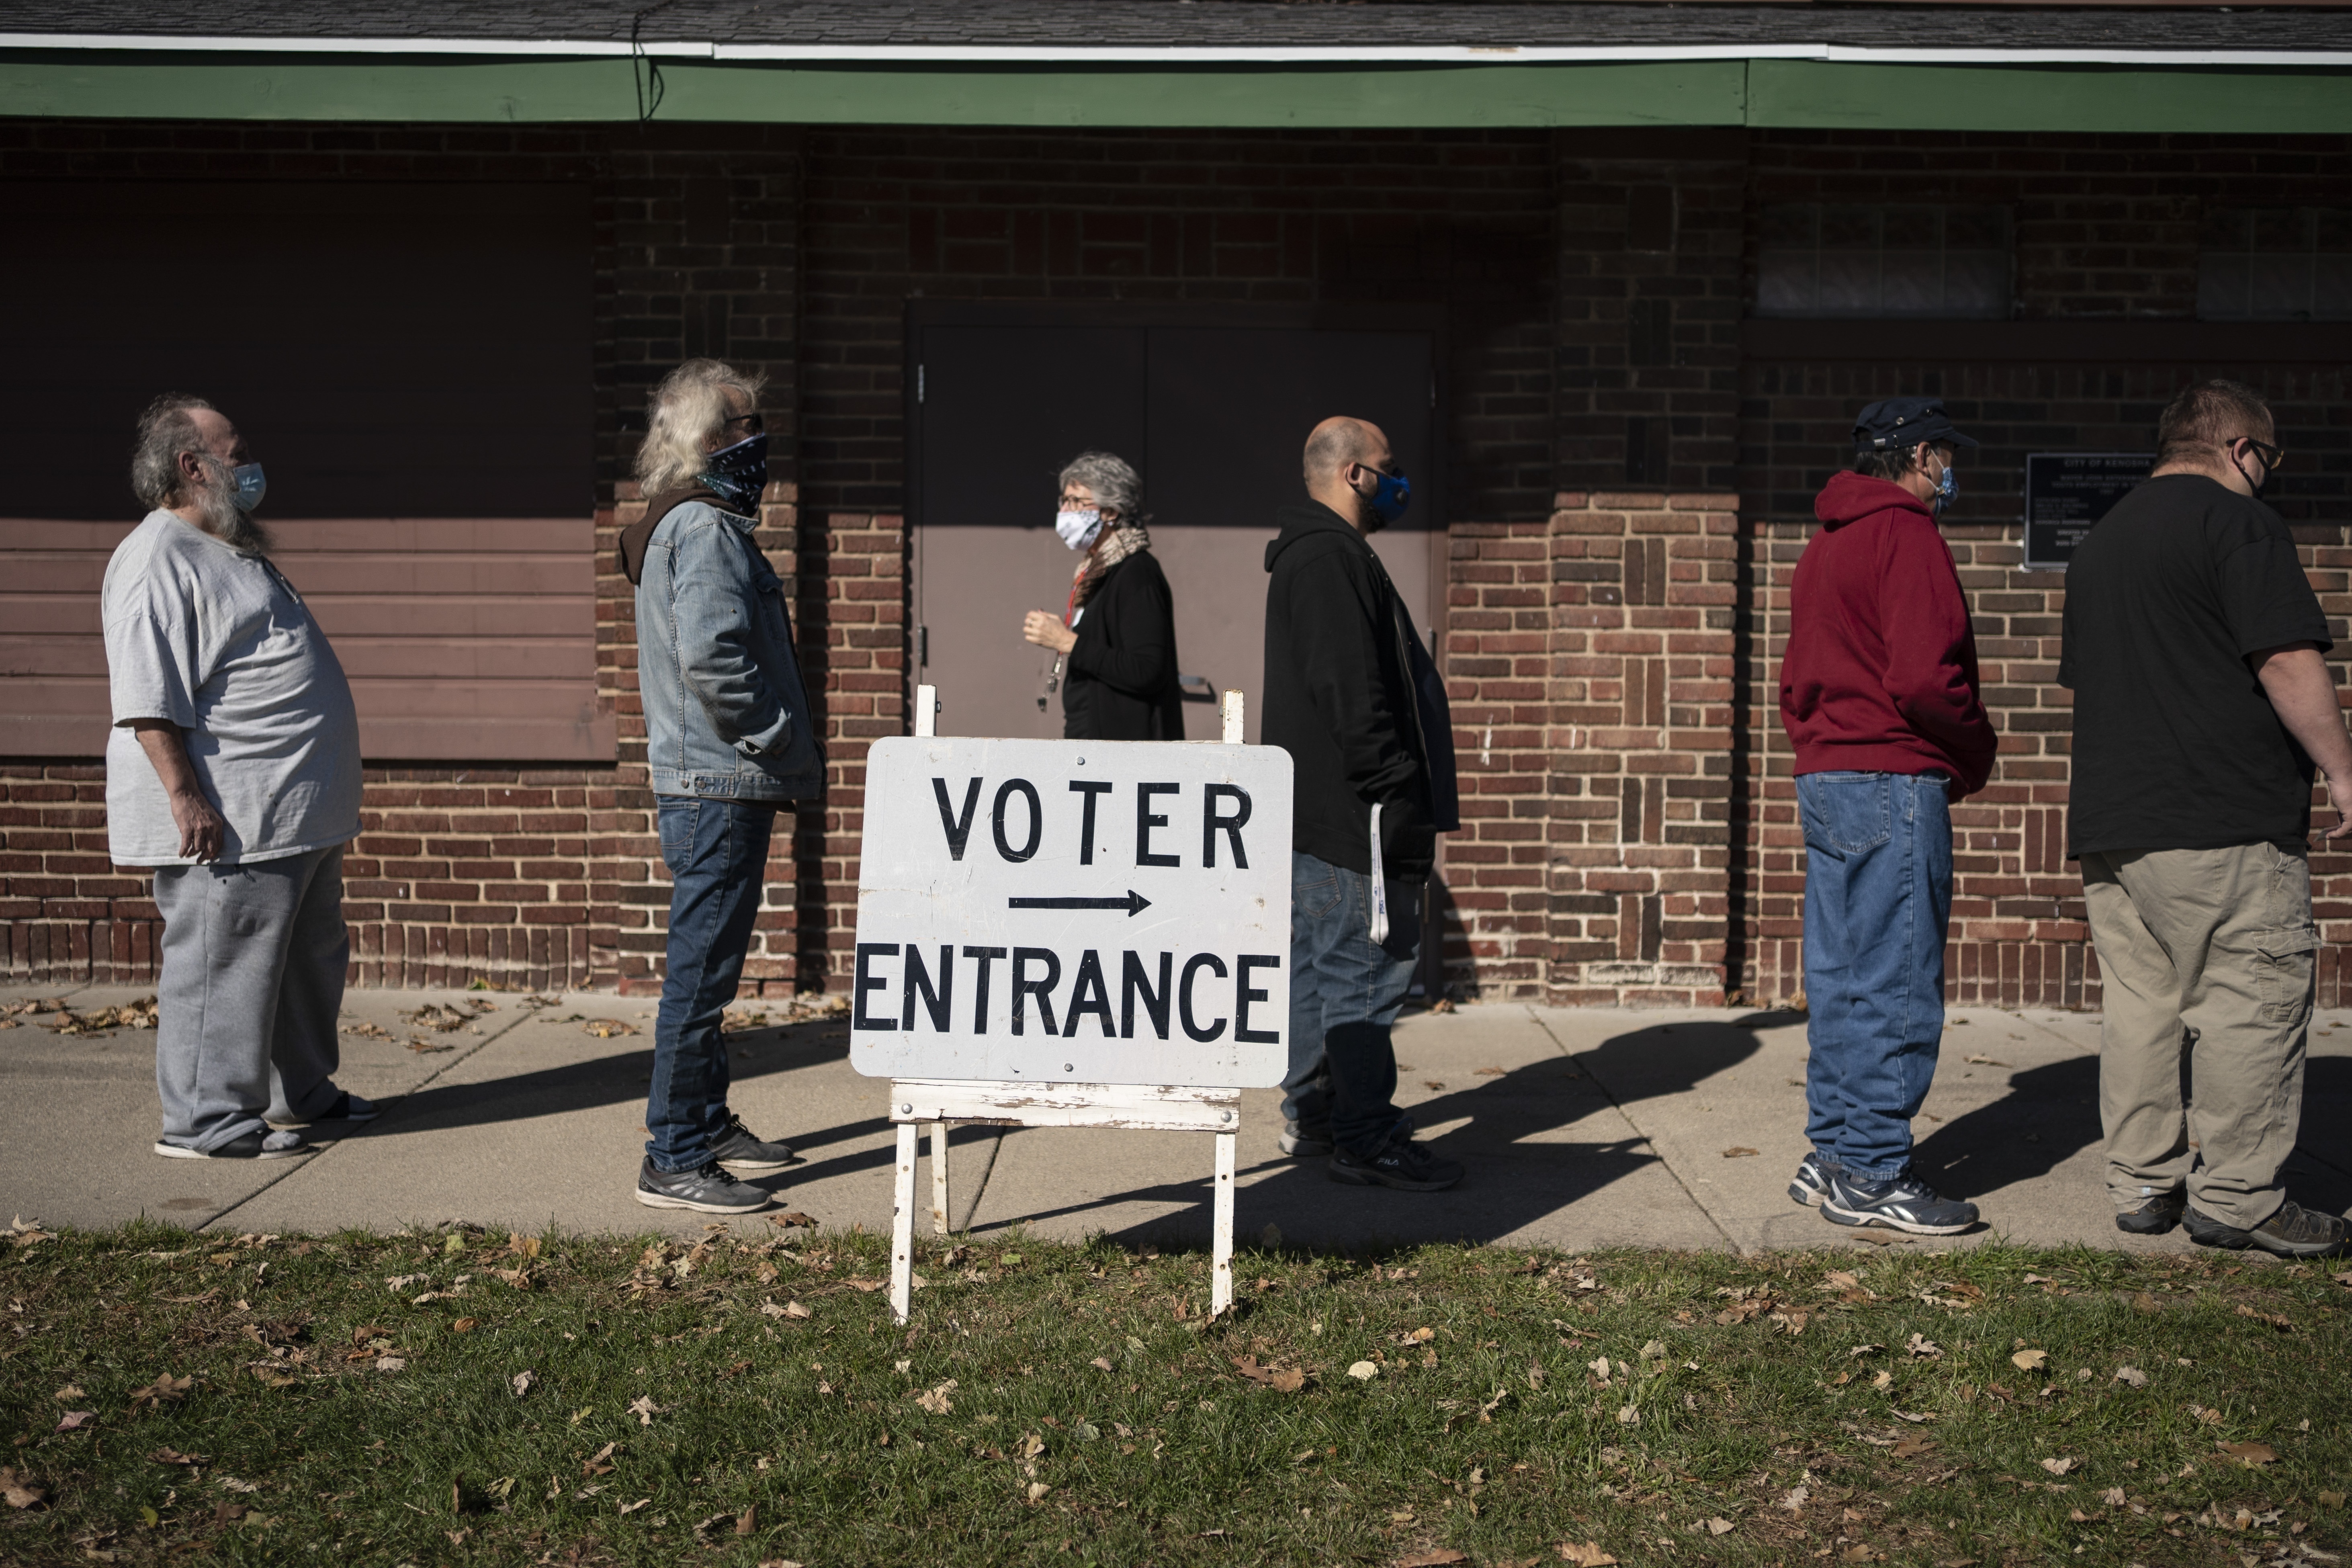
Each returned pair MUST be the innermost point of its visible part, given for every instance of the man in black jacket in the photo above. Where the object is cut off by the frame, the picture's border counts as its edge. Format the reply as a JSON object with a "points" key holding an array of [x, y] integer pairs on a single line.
{"points": [[1351, 695]]}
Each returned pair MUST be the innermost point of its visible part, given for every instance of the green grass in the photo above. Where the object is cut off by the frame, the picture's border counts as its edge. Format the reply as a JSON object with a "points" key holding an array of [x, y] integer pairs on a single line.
{"points": [[1486, 1430]]}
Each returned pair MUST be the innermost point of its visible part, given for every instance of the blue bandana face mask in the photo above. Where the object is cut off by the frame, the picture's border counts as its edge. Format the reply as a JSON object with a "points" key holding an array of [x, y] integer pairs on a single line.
{"points": [[1947, 489], [740, 474], [251, 486], [1391, 495]]}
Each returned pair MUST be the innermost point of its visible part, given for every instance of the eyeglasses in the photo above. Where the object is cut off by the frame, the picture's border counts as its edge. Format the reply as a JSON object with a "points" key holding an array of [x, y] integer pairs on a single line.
{"points": [[753, 424], [2271, 456]]}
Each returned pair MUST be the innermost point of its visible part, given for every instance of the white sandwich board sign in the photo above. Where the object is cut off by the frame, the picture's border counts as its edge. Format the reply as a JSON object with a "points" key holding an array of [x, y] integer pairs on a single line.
{"points": [[1073, 911], [1071, 934]]}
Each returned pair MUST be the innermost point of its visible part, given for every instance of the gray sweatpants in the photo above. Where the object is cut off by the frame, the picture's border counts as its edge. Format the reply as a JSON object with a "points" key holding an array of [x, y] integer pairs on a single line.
{"points": [[252, 981]]}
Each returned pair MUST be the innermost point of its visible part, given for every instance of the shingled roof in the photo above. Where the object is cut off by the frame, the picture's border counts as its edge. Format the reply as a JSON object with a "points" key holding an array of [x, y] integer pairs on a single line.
{"points": [[982, 25]]}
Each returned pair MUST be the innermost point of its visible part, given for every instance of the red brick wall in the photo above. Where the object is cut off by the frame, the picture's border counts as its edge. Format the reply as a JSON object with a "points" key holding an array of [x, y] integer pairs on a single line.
{"points": [[1588, 660], [2106, 229]]}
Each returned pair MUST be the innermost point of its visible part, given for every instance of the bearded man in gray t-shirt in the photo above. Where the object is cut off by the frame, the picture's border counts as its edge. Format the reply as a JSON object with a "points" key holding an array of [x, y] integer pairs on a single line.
{"points": [[233, 769]]}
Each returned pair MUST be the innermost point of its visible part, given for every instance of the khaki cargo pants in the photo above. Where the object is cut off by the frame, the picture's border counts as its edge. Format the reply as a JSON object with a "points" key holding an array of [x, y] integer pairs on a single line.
{"points": [[2206, 955]]}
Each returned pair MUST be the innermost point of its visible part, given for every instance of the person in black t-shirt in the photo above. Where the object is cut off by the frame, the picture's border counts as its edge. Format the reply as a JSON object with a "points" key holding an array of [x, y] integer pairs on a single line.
{"points": [[1117, 637], [2194, 645]]}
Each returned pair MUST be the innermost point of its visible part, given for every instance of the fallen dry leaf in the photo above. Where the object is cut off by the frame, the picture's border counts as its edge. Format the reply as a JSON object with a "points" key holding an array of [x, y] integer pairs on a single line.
{"points": [[174, 1456], [1987, 1062], [1739, 1153], [1435, 1557], [1924, 1348], [597, 1463], [520, 1383], [1286, 1380], [1491, 1072], [19, 1491], [1588, 1556], [2113, 1497], [2059, 1467], [935, 1400], [74, 1420], [1911, 1447], [1718, 1527], [2331, 1499], [792, 1219], [2132, 1375], [2279, 1321], [644, 1408], [632, 1507], [164, 1388], [1363, 1370], [1037, 1491], [2250, 1454], [2031, 1361]]}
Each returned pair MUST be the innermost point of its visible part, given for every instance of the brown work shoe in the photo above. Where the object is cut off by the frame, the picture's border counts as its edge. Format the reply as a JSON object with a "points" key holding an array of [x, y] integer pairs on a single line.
{"points": [[2294, 1231]]}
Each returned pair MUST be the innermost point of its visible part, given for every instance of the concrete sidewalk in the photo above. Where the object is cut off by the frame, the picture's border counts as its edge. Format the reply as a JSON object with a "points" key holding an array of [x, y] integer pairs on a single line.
{"points": [[1580, 1128]]}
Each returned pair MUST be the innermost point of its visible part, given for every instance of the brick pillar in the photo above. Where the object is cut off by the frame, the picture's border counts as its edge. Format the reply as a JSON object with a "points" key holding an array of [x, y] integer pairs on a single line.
{"points": [[855, 601], [1589, 657]]}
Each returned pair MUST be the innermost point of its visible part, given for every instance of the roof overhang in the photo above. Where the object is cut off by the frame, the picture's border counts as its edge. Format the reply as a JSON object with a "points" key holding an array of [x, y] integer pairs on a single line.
{"points": [[551, 80]]}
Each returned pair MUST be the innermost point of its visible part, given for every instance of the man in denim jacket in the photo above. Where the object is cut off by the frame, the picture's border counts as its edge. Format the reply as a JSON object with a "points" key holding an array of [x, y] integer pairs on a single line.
{"points": [[728, 740]]}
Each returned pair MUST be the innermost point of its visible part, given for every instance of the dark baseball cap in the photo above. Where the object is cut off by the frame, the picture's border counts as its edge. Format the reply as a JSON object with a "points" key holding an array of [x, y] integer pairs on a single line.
{"points": [[1901, 423]]}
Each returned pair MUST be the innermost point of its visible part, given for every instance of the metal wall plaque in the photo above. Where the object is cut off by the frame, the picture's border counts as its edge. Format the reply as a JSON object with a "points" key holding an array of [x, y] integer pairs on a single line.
{"points": [[2066, 492]]}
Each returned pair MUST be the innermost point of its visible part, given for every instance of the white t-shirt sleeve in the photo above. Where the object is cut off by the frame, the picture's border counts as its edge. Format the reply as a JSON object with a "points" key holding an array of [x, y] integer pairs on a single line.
{"points": [[150, 667]]}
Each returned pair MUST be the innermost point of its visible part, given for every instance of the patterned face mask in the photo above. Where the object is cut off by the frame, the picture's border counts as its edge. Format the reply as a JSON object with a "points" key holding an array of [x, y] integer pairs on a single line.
{"points": [[1079, 527], [740, 474]]}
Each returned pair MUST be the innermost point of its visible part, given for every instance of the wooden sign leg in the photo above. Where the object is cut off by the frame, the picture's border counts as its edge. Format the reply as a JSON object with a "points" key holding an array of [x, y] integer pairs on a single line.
{"points": [[941, 1222], [1221, 1235], [902, 1227]]}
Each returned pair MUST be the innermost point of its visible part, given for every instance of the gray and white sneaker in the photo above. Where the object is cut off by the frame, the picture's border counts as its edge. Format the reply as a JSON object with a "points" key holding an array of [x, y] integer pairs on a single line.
{"points": [[345, 1107], [1902, 1203], [746, 1153], [1811, 1184], [709, 1190], [250, 1146]]}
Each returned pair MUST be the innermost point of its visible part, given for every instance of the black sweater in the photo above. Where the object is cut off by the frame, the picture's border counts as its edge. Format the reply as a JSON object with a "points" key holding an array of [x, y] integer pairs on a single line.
{"points": [[1339, 697], [1121, 683]]}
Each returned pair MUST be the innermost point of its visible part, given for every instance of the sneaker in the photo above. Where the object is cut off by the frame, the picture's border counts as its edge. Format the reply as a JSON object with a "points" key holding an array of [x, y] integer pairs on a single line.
{"points": [[2154, 1216], [249, 1146], [1897, 1202], [740, 1150], [709, 1189], [1304, 1142], [2294, 1231], [1404, 1165], [346, 1106], [1811, 1184]]}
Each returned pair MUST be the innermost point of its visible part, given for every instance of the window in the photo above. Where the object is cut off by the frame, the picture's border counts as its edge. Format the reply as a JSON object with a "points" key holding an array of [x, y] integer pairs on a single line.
{"points": [[2275, 264], [1819, 261]]}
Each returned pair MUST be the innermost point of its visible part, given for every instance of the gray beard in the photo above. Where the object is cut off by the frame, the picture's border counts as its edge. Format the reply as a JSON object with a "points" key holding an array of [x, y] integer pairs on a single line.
{"points": [[232, 527]]}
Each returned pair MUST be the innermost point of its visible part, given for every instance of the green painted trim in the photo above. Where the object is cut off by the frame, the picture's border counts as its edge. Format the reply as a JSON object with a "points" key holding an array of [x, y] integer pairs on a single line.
{"points": [[1817, 94], [1792, 94]]}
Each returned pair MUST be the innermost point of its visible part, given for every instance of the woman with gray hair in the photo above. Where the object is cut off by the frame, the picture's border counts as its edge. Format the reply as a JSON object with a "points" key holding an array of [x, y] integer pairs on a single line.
{"points": [[1117, 637]]}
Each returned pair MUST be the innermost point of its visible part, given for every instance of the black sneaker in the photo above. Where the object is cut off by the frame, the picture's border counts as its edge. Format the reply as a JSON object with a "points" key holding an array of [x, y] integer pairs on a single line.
{"points": [[743, 1151], [709, 1189], [1898, 1203], [250, 1146], [2292, 1232], [346, 1106], [1308, 1142], [2155, 1216], [1404, 1165], [1811, 1184]]}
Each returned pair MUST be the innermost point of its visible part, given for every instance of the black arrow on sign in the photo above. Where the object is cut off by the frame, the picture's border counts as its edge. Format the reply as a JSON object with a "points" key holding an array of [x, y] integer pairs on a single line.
{"points": [[1135, 903]]}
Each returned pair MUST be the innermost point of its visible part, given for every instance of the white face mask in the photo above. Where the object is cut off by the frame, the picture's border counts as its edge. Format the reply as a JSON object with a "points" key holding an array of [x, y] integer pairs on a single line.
{"points": [[1079, 528]]}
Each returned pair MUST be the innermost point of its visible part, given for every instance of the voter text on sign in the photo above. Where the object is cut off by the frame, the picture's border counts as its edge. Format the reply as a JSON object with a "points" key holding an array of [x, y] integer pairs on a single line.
{"points": [[1095, 911]]}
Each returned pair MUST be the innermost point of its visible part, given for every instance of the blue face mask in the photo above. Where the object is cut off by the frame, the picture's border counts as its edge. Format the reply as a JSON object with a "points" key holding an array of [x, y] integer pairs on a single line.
{"points": [[1391, 495], [1947, 489], [251, 486], [740, 474]]}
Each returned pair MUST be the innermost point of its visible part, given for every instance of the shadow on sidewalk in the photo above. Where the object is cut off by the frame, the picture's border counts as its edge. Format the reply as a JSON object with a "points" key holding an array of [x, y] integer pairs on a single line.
{"points": [[1520, 1170]]}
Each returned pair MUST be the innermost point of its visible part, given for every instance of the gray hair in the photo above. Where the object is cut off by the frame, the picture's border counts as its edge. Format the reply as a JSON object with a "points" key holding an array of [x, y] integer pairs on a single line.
{"points": [[165, 433], [686, 409], [1115, 484]]}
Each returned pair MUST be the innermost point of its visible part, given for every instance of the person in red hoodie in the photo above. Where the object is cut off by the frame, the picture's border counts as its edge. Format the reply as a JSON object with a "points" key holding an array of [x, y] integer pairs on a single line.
{"points": [[1878, 694]]}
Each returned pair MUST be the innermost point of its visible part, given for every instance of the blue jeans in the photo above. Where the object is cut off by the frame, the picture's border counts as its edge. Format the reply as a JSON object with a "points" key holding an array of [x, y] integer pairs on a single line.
{"points": [[716, 852], [1878, 899], [1345, 991]]}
